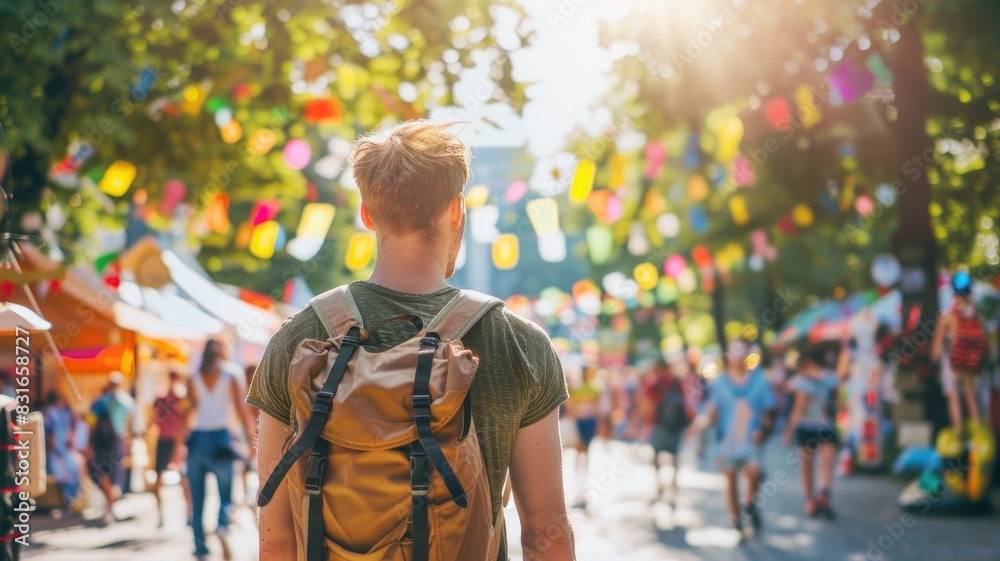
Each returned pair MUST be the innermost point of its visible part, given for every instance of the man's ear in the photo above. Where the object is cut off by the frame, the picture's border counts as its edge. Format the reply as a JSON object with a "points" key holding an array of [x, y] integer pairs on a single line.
{"points": [[457, 210], [366, 218]]}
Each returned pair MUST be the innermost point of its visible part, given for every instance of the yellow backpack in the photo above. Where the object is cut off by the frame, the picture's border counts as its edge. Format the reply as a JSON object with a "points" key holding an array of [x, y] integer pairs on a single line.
{"points": [[394, 470]]}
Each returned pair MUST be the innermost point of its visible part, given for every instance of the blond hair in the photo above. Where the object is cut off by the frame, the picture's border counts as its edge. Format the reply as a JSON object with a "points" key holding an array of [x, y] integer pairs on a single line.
{"points": [[409, 173]]}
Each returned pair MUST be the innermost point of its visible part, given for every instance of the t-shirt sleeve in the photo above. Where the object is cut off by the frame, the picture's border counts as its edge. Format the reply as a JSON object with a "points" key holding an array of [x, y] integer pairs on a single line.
{"points": [[269, 387], [547, 381]]}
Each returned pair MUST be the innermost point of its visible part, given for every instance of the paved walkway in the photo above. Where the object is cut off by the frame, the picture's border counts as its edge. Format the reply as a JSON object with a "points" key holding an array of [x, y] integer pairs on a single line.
{"points": [[618, 524]]}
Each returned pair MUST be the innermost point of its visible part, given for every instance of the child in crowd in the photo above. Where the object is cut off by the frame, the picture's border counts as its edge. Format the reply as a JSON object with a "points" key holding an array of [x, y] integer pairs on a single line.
{"points": [[741, 406], [811, 423]]}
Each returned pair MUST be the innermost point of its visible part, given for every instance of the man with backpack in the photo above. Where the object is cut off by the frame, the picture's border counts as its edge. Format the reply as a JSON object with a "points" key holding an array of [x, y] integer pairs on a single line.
{"points": [[667, 410], [112, 413], [393, 408]]}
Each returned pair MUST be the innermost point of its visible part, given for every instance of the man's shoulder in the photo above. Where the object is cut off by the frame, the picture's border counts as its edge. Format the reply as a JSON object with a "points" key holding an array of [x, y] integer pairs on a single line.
{"points": [[303, 324]]}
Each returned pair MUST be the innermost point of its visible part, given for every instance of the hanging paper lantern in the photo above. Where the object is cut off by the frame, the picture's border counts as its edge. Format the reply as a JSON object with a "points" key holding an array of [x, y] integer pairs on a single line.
{"points": [[886, 270], [850, 81], [476, 196], [885, 194], [173, 193], [702, 256], [264, 210], [263, 239], [698, 218], [755, 263], [214, 104], [261, 142], [847, 195], [505, 252], [223, 117], [243, 234], [583, 180], [778, 113], [638, 243], [646, 276], [738, 208], [600, 244], [876, 64], [674, 265], [552, 247], [118, 178], [483, 223], [515, 192], [686, 281], [544, 215], [315, 221], [304, 249], [730, 135], [616, 173], [232, 132], [297, 153], [802, 215], [787, 225], [743, 173], [329, 166], [655, 154], [654, 204], [322, 110], [864, 205], [667, 291], [241, 91], [217, 213], [583, 288], [692, 152], [697, 187], [668, 224], [360, 248], [808, 111], [615, 210]]}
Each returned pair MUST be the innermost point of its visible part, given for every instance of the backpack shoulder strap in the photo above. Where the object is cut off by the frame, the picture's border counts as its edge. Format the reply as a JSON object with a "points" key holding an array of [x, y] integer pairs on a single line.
{"points": [[337, 310], [461, 313]]}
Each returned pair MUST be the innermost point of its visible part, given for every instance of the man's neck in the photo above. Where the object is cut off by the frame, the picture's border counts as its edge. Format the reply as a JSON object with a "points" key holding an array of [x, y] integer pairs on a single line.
{"points": [[409, 265]]}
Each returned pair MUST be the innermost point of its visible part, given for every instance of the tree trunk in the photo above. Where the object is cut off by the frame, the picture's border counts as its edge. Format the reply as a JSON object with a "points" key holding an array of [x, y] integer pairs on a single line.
{"points": [[914, 243]]}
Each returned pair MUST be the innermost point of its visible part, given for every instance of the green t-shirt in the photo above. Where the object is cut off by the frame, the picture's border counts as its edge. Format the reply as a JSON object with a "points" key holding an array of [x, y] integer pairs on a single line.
{"points": [[520, 379]]}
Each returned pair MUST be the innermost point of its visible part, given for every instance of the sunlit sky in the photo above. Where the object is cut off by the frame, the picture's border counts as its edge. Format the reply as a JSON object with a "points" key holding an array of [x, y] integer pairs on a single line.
{"points": [[567, 70]]}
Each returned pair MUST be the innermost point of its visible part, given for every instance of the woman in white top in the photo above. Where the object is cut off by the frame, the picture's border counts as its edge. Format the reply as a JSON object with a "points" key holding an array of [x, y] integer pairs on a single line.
{"points": [[215, 396]]}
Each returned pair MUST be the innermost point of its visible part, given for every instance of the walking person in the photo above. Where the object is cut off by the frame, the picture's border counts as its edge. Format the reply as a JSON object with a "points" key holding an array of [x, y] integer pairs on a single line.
{"points": [[214, 395], [60, 459], [109, 441], [396, 344], [584, 407], [741, 408], [168, 415], [960, 344], [665, 415], [812, 424]]}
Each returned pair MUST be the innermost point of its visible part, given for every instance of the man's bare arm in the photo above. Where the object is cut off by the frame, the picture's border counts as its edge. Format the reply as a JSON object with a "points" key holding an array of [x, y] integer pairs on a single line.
{"points": [[277, 531], [537, 479]]}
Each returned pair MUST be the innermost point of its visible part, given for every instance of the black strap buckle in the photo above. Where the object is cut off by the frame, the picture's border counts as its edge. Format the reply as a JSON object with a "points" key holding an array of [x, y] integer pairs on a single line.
{"points": [[322, 403], [314, 478], [421, 406], [420, 467]]}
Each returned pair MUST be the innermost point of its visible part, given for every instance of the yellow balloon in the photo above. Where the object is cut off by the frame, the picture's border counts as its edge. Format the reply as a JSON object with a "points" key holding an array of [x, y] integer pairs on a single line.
{"points": [[544, 215], [646, 275], [263, 238], [583, 181], [360, 248], [505, 252], [730, 134], [118, 178], [738, 207], [802, 215], [316, 220]]}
